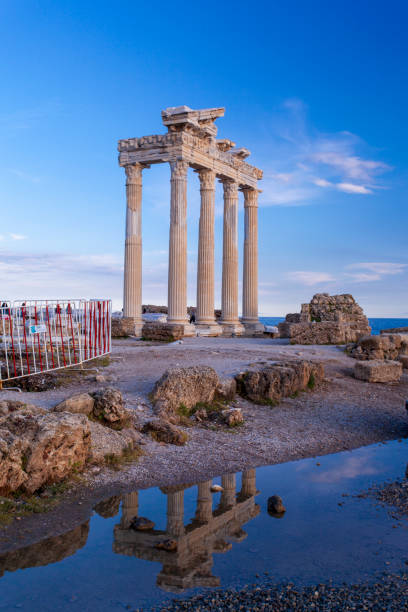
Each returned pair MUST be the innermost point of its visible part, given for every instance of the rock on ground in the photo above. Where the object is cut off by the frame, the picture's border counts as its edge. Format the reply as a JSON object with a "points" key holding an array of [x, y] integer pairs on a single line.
{"points": [[106, 442], [41, 449], [233, 416], [162, 431], [378, 371], [80, 403], [187, 387], [282, 379], [123, 327], [109, 405]]}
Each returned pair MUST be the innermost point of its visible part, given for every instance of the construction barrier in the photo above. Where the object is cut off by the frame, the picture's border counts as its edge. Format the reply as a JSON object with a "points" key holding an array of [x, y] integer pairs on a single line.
{"points": [[44, 335]]}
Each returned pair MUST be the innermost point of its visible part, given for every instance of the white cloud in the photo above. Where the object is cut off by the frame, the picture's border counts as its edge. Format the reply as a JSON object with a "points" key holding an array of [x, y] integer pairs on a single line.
{"points": [[380, 267], [310, 278], [375, 271], [18, 237], [319, 182], [1, 237], [303, 162], [353, 188]]}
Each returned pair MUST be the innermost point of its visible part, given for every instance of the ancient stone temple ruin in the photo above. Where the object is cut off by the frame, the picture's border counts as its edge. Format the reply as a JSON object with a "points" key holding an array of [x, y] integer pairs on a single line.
{"points": [[327, 319], [191, 142]]}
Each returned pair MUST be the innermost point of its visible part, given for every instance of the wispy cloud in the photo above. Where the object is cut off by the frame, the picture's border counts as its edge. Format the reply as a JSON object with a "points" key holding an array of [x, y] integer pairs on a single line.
{"points": [[305, 162], [309, 278], [18, 237], [374, 271]]}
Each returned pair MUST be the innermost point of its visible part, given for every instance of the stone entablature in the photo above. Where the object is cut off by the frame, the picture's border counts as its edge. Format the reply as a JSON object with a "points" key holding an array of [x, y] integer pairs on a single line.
{"points": [[191, 142]]}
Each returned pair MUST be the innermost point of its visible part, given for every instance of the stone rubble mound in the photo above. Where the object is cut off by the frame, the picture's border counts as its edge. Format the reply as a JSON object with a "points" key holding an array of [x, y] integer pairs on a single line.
{"points": [[163, 431], [384, 346], [327, 319], [268, 385], [40, 447]]}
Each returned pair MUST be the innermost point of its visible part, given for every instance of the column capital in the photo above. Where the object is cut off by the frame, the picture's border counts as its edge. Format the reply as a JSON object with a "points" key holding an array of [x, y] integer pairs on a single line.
{"points": [[207, 178], [179, 169], [250, 196], [230, 186], [134, 173]]}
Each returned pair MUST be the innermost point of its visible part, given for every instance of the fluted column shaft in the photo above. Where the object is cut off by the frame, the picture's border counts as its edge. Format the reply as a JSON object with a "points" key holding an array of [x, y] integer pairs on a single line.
{"points": [[132, 290], [204, 502], [205, 267], [250, 276], [175, 513], [248, 488], [229, 295], [228, 496], [130, 508], [177, 281]]}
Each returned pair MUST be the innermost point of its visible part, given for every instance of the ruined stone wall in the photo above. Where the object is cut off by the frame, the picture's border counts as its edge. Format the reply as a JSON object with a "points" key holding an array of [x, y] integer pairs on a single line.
{"points": [[327, 319]]}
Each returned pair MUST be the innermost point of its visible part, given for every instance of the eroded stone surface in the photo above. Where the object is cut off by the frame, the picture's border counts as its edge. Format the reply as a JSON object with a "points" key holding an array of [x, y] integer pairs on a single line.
{"points": [[162, 431], [109, 405], [378, 371], [281, 379], [80, 403], [384, 346], [41, 449], [185, 387]]}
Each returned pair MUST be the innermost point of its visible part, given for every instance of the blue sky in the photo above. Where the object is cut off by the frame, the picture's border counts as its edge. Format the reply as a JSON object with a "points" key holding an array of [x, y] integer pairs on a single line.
{"points": [[316, 91]]}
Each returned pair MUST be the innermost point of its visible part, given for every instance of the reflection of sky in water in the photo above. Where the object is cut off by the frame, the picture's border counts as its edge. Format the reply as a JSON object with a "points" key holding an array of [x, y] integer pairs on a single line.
{"points": [[316, 540]]}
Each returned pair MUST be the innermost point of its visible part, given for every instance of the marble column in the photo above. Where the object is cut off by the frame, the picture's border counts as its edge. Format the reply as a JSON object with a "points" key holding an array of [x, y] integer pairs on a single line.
{"points": [[228, 496], [177, 280], [229, 295], [204, 502], [205, 319], [250, 276], [130, 508], [248, 488], [175, 513], [132, 290]]}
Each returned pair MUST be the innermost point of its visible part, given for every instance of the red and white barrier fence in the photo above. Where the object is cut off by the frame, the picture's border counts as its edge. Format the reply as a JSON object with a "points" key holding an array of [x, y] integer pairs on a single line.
{"points": [[43, 335]]}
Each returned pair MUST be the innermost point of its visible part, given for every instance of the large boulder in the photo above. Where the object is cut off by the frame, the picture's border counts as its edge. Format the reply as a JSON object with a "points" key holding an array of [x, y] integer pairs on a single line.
{"points": [[378, 371], [327, 319], [41, 449], [185, 388], [9, 406], [270, 384], [81, 403]]}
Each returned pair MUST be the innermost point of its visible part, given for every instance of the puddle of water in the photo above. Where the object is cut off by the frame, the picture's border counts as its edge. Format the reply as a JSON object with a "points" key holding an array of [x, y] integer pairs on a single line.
{"points": [[223, 539]]}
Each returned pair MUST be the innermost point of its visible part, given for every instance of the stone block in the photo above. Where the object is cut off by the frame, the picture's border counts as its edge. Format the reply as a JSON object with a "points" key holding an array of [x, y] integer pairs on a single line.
{"points": [[122, 327], [378, 371], [404, 360], [162, 332]]}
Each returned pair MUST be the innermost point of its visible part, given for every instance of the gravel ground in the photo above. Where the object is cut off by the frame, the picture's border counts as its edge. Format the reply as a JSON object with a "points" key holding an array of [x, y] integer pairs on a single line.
{"points": [[388, 594], [343, 414], [391, 494]]}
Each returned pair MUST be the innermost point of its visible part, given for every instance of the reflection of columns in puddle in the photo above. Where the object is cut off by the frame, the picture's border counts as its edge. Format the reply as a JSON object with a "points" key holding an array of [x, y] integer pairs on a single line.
{"points": [[130, 508], [204, 502], [228, 483], [248, 488], [175, 513]]}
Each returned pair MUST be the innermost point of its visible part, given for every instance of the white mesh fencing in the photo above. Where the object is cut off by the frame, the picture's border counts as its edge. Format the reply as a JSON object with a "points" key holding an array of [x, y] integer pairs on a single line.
{"points": [[43, 335]]}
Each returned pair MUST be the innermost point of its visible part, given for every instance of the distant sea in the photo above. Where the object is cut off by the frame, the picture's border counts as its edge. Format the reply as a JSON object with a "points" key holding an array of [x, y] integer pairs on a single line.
{"points": [[376, 324]]}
